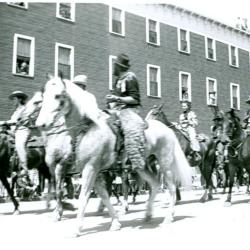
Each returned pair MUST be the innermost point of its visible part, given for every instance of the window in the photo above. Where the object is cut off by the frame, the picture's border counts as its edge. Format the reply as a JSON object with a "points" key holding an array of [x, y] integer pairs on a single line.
{"points": [[184, 86], [153, 80], [66, 11], [233, 56], [111, 78], [211, 91], [235, 96], [116, 21], [22, 5], [23, 55], [210, 48], [183, 41], [64, 60], [153, 32]]}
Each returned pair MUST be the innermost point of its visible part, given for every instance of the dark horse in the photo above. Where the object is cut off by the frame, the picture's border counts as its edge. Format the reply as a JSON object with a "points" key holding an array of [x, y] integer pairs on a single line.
{"points": [[5, 153], [238, 148], [208, 159]]}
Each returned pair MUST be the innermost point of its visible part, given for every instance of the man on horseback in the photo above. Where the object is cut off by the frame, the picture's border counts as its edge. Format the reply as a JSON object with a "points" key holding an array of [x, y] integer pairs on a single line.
{"points": [[81, 81], [125, 99], [22, 133], [246, 120], [187, 122]]}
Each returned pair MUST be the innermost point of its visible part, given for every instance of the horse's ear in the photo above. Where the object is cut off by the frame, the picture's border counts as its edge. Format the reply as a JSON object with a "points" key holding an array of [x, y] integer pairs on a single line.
{"points": [[49, 76], [161, 106], [60, 74]]}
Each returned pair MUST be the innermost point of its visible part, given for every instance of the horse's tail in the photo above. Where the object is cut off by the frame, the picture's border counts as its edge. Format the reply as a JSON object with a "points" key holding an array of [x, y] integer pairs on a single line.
{"points": [[181, 167]]}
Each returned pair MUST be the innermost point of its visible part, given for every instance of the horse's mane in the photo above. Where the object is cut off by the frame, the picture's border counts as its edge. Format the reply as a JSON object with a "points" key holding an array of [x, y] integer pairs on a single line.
{"points": [[84, 101]]}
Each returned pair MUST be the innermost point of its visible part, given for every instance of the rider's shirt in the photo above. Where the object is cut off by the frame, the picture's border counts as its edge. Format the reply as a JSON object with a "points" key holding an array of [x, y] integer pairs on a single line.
{"points": [[188, 119], [127, 85], [16, 116]]}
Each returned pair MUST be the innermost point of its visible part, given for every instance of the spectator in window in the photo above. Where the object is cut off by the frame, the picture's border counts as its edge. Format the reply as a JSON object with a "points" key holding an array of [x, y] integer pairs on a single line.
{"points": [[24, 68]]}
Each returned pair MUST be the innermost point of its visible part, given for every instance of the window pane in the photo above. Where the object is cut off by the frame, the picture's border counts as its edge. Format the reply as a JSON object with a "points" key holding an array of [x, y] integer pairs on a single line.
{"points": [[211, 86], [184, 81], [183, 35], [117, 26], [64, 56], [65, 69], [153, 88], [23, 47], [152, 25], [116, 14], [65, 10], [153, 74], [152, 37]]}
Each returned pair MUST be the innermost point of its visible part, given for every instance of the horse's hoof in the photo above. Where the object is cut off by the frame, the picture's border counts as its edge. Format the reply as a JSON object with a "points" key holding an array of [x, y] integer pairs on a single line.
{"points": [[210, 197], [115, 225], [227, 204], [148, 218], [203, 200], [16, 212]]}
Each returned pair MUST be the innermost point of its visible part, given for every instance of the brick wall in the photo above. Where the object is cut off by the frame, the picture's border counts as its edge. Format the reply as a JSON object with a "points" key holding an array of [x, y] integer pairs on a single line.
{"points": [[93, 44]]}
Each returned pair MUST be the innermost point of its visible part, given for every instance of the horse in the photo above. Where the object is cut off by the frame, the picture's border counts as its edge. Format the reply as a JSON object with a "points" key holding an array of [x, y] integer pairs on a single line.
{"points": [[207, 162], [5, 154], [96, 147], [58, 152], [238, 148]]}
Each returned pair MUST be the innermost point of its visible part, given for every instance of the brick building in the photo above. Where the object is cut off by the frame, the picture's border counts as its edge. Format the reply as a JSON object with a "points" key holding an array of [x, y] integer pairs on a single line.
{"points": [[175, 53]]}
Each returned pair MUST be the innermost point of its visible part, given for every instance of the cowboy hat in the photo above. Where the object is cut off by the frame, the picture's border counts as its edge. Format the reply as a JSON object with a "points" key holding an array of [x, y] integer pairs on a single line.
{"points": [[18, 94], [248, 100], [123, 61], [80, 79]]}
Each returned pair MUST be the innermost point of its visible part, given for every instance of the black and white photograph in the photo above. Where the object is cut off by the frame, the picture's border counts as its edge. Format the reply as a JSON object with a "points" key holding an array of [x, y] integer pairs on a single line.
{"points": [[125, 125]]}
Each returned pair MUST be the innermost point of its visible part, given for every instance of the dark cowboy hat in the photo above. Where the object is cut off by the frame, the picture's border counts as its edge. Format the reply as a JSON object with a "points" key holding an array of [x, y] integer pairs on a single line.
{"points": [[19, 94], [123, 61], [248, 100]]}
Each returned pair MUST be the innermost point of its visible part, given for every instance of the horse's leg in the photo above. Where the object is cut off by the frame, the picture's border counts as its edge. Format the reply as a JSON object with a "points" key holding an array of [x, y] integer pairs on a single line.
{"points": [[169, 179], [178, 193], [88, 180], [154, 185], [100, 187], [125, 187], [6, 184], [59, 191], [232, 171]]}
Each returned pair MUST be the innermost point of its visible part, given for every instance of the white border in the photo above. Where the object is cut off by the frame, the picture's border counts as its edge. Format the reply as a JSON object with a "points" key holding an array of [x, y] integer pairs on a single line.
{"points": [[157, 31], [122, 20], [72, 52], [111, 58], [238, 94], [213, 46], [179, 40], [189, 85], [32, 55], [215, 89], [230, 56], [72, 12], [158, 80]]}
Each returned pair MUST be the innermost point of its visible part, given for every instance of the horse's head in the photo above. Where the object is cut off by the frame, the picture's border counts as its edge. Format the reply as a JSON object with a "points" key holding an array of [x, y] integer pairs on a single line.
{"points": [[55, 102], [157, 113], [231, 126]]}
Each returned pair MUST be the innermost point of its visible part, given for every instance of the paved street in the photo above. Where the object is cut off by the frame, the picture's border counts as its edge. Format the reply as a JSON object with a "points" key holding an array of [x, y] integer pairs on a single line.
{"points": [[196, 226]]}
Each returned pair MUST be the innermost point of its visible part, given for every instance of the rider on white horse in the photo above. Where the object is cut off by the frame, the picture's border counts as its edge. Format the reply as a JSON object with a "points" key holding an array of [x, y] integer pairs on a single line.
{"points": [[126, 100], [187, 122]]}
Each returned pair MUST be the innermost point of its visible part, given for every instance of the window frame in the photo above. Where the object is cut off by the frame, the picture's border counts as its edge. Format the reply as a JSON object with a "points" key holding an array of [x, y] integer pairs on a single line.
{"points": [[189, 86], [157, 32], [238, 95], [111, 58], [72, 11], [187, 39], [158, 80], [25, 7], [213, 46], [32, 55], [72, 63], [230, 55], [122, 21], [215, 88]]}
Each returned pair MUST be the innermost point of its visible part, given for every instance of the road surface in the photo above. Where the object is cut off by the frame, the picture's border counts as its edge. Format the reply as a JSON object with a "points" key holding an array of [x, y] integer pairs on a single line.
{"points": [[197, 225]]}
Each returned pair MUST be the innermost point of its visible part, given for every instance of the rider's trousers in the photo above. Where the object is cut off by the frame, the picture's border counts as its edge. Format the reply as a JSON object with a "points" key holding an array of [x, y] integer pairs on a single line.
{"points": [[21, 138]]}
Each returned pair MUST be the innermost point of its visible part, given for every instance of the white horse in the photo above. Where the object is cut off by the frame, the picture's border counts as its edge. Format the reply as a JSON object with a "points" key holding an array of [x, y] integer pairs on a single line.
{"points": [[58, 150], [96, 149]]}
